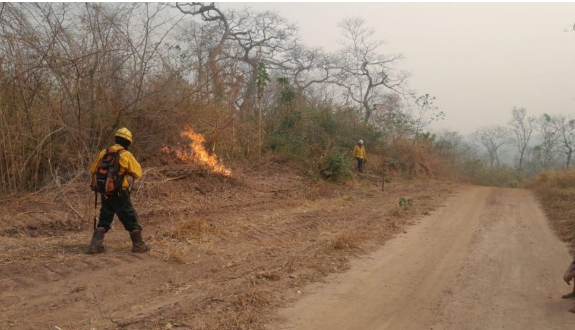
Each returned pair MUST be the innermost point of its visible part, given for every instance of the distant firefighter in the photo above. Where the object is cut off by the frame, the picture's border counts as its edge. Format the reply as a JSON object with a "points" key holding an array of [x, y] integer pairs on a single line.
{"points": [[110, 173], [359, 154]]}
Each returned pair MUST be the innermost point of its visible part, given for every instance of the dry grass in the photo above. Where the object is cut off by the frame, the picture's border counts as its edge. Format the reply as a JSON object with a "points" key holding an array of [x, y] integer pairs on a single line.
{"points": [[207, 247], [400, 211], [347, 240], [178, 238], [176, 252], [397, 211], [269, 275], [246, 312], [556, 192], [252, 299], [186, 229]]}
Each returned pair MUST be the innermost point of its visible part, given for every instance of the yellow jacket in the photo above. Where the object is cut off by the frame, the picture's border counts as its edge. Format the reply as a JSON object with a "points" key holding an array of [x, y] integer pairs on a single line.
{"points": [[128, 164], [359, 152]]}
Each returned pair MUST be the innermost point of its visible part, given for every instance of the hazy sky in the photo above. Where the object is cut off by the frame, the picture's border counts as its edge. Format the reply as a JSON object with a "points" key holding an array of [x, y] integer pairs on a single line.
{"points": [[478, 59]]}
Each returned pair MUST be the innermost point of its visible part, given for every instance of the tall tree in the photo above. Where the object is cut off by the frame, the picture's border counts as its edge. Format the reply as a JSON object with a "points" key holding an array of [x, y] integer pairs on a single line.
{"points": [[262, 40], [522, 127], [211, 13], [364, 73], [309, 66], [492, 138], [549, 146], [565, 128]]}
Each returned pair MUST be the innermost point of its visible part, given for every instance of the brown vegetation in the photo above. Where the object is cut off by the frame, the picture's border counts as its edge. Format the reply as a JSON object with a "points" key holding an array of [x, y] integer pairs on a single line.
{"points": [[71, 74], [556, 191]]}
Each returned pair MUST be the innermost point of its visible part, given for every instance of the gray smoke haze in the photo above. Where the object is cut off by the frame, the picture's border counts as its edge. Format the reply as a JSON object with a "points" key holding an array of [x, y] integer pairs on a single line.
{"points": [[478, 59]]}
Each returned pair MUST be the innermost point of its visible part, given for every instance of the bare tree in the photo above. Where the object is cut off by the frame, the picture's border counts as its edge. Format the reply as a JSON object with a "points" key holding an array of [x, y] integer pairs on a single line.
{"points": [[426, 113], [492, 138], [392, 119], [210, 13], [522, 127], [549, 146], [364, 73], [450, 145], [309, 66], [565, 128], [263, 39], [259, 40]]}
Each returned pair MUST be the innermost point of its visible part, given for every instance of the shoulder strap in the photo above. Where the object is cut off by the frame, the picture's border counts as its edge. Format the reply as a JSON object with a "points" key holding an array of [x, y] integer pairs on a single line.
{"points": [[119, 151]]}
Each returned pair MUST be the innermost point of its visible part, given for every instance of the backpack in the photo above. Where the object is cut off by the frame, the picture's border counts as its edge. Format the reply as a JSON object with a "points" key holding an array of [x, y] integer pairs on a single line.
{"points": [[106, 179]]}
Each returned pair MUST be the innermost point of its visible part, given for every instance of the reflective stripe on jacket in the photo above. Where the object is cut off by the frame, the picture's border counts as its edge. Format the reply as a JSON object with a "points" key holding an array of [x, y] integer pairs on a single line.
{"points": [[359, 152], [128, 164]]}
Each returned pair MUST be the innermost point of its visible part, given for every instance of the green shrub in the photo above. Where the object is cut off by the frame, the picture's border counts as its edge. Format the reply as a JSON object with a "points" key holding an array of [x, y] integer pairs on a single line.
{"points": [[287, 146], [319, 139], [336, 167], [405, 201]]}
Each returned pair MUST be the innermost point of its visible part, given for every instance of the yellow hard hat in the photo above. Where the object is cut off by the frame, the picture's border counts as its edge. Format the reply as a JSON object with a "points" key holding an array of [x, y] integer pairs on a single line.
{"points": [[124, 133]]}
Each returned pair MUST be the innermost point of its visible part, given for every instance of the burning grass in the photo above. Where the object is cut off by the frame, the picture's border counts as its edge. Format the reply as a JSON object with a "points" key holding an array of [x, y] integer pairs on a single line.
{"points": [[556, 192], [195, 152]]}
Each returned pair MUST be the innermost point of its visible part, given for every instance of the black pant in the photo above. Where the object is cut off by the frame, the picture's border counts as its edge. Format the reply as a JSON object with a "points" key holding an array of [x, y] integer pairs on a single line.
{"points": [[122, 206], [359, 164]]}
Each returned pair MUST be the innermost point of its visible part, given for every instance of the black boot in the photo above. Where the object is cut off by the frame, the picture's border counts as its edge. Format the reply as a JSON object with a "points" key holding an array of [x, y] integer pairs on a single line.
{"points": [[97, 243], [138, 245]]}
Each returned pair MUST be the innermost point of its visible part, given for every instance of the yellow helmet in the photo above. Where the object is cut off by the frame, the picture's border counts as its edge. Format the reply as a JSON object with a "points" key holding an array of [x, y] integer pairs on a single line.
{"points": [[124, 133]]}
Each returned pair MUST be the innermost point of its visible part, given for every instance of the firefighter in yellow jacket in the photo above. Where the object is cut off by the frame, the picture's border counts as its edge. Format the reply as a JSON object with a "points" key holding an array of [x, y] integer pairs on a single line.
{"points": [[359, 154], [119, 203]]}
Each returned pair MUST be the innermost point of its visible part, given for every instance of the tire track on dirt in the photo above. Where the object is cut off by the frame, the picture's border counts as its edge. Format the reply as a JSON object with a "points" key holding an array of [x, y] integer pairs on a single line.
{"points": [[298, 223]]}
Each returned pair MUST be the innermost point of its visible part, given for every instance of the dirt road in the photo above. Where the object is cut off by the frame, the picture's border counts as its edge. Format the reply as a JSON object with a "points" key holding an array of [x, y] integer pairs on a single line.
{"points": [[488, 260]]}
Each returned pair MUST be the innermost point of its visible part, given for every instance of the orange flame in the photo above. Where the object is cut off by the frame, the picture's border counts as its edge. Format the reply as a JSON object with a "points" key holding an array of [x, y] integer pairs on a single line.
{"points": [[195, 152]]}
